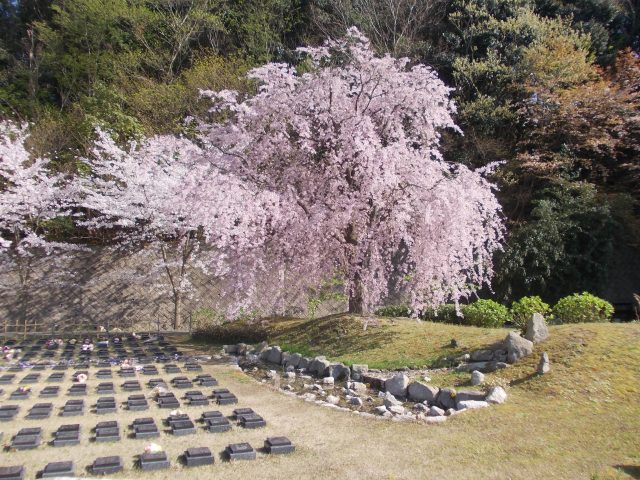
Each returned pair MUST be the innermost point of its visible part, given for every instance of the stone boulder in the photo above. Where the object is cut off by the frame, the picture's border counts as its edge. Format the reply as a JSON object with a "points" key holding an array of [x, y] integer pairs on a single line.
{"points": [[471, 404], [435, 412], [338, 371], [318, 365], [397, 385], [447, 398], [294, 360], [284, 358], [275, 355], [374, 382], [358, 387], [496, 395], [482, 356], [537, 330], [230, 349], [332, 399], [397, 409], [358, 370], [517, 347], [544, 365], [304, 363], [466, 395], [420, 392], [390, 400], [477, 378], [262, 346]]}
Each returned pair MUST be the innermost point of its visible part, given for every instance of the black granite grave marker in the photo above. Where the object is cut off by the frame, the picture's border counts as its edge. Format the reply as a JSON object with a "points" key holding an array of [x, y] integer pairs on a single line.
{"points": [[106, 465], [58, 469], [240, 451], [277, 445], [154, 461], [15, 472], [198, 456]]}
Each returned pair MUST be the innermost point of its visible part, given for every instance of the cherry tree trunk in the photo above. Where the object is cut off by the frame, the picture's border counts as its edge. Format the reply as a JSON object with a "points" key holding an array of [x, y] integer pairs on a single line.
{"points": [[177, 310], [356, 300]]}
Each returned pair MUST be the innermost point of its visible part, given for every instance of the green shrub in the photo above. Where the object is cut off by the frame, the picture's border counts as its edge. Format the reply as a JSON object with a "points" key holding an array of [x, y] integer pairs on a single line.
{"points": [[485, 313], [581, 308], [444, 313], [393, 311], [522, 310]]}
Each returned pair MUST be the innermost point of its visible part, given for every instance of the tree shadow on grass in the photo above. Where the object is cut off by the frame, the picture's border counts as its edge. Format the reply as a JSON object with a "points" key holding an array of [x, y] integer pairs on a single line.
{"points": [[632, 470], [319, 335]]}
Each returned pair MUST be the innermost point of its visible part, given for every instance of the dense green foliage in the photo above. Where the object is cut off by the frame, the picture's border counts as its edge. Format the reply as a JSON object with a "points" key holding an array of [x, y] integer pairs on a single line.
{"points": [[523, 309], [485, 313], [582, 308], [548, 87]]}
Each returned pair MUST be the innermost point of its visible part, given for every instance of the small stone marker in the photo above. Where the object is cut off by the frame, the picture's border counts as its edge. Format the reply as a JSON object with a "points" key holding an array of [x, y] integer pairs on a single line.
{"points": [[105, 373], [193, 367], [241, 411], [278, 445], [6, 379], [66, 435], [217, 424], [15, 472], [183, 427], [137, 403], [240, 451], [107, 431], [31, 378], [154, 461], [58, 469], [196, 398], [206, 380], [106, 405], [146, 430], [40, 411], [251, 420], [127, 372], [27, 439], [48, 392], [154, 382], [104, 388], [168, 400], [210, 414], [131, 386], [72, 407], [544, 366], [195, 457], [20, 394], [106, 465], [226, 399], [78, 389], [8, 412], [150, 370], [172, 368], [56, 377]]}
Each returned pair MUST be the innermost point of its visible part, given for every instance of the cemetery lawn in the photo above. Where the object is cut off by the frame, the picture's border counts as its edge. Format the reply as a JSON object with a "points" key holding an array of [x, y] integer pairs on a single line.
{"points": [[582, 420]]}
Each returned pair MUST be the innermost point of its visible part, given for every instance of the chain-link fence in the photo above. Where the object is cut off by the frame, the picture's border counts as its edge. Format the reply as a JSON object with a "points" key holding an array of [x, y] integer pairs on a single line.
{"points": [[101, 289]]}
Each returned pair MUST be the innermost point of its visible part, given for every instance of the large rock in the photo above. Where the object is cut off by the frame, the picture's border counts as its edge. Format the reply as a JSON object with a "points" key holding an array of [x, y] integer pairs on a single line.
{"points": [[262, 346], [482, 355], [537, 330], [318, 365], [466, 395], [496, 395], [435, 412], [374, 382], [390, 400], [481, 366], [338, 371], [420, 392], [471, 404], [517, 347], [477, 378], [358, 387], [397, 409], [358, 370], [284, 358], [275, 355], [544, 365], [447, 398], [332, 399], [294, 360], [397, 385], [304, 363]]}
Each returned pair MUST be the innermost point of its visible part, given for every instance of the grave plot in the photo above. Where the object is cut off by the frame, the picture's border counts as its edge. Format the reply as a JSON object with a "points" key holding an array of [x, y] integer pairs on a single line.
{"points": [[15, 472], [278, 445], [72, 408], [58, 469], [40, 411], [197, 456], [107, 432], [224, 397], [215, 422], [8, 412], [168, 400], [251, 420], [154, 382], [193, 367], [105, 388], [104, 374], [48, 392], [131, 386], [27, 439], [7, 378], [106, 405], [145, 428], [150, 370], [78, 389], [154, 461], [39, 367], [66, 435], [127, 372], [106, 465], [181, 382], [206, 380], [196, 398], [31, 378], [181, 425], [172, 368], [21, 393], [240, 451], [137, 403], [241, 411]]}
